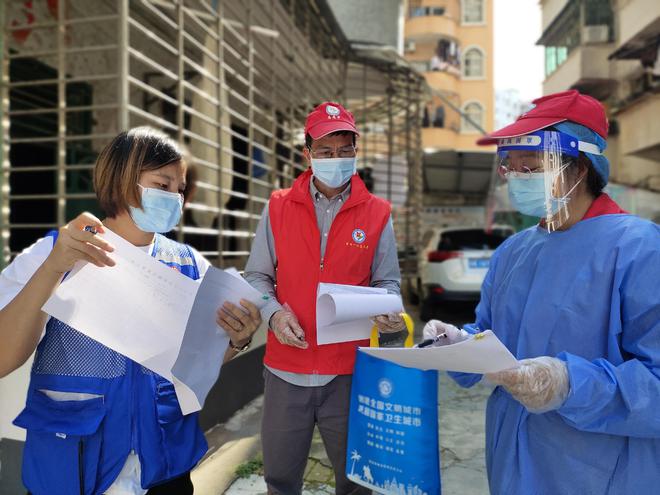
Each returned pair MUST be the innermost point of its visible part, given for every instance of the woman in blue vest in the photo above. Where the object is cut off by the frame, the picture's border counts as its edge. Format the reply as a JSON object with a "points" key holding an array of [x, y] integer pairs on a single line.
{"points": [[97, 422]]}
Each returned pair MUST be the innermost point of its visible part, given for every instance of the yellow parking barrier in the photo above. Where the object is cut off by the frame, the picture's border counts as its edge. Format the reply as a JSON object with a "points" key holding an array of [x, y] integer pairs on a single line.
{"points": [[410, 326]]}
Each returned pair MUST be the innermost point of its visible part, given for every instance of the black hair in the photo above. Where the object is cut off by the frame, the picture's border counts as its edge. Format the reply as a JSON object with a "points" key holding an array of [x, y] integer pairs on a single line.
{"points": [[595, 182], [309, 141], [122, 161]]}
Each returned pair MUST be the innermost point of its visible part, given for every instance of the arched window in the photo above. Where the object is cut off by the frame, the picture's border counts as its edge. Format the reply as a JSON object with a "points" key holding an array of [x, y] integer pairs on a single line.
{"points": [[472, 11], [475, 112], [473, 62]]}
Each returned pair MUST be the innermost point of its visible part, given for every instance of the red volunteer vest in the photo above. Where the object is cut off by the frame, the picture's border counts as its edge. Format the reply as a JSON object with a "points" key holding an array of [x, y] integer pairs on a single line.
{"points": [[352, 242], [603, 205]]}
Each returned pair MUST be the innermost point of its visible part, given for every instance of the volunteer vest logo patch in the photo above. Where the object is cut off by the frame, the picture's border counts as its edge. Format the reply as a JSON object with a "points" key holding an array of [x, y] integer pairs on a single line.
{"points": [[359, 236]]}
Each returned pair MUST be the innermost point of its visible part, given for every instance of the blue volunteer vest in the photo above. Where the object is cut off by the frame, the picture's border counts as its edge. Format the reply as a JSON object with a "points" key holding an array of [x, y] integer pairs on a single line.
{"points": [[80, 446]]}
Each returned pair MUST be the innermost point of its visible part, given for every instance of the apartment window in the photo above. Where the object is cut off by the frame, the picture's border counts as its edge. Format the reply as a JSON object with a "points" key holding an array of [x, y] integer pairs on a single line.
{"points": [[434, 116], [426, 11], [473, 63], [472, 11], [562, 37], [598, 21], [554, 57], [446, 57], [439, 117], [557, 53], [598, 13], [475, 112], [550, 60]]}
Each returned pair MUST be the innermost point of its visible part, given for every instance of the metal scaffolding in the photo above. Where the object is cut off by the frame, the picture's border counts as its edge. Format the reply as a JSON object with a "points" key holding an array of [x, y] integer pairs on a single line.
{"points": [[232, 80], [387, 98]]}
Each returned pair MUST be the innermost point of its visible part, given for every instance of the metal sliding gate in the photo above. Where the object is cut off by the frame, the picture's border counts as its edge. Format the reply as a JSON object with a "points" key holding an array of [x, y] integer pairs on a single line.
{"points": [[232, 80]]}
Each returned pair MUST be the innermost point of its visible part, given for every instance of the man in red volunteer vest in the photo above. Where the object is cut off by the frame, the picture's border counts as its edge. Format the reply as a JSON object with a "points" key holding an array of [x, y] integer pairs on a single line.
{"points": [[326, 228]]}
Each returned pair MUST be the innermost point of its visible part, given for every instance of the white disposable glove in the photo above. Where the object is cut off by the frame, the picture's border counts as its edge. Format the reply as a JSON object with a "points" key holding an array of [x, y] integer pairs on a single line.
{"points": [[452, 335], [540, 384], [286, 328]]}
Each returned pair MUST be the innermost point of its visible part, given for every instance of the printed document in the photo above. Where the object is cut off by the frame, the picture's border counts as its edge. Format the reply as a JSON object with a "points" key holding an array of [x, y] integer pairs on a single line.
{"points": [[154, 315], [481, 353], [344, 312]]}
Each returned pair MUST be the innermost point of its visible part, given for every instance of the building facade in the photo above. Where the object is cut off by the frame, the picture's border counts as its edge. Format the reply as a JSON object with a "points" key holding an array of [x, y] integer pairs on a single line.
{"points": [[451, 43], [609, 50]]}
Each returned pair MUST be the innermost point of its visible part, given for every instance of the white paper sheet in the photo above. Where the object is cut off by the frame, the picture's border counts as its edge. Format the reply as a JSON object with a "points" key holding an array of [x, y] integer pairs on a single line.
{"points": [[482, 353], [198, 362], [343, 312], [153, 315]]}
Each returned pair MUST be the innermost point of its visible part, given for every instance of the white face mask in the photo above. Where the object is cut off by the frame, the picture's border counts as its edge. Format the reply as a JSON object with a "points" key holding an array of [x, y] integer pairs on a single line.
{"points": [[334, 172], [528, 195], [160, 212]]}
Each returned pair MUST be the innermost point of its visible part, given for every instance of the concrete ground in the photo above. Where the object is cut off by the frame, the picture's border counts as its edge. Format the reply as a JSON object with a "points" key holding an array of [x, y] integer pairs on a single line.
{"points": [[236, 445]]}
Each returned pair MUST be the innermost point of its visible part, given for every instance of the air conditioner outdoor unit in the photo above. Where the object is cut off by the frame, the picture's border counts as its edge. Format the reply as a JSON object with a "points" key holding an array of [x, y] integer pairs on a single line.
{"points": [[409, 46], [595, 34]]}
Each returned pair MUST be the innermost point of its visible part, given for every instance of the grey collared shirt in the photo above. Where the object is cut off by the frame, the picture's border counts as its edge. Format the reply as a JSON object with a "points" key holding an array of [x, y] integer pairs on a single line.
{"points": [[261, 265]]}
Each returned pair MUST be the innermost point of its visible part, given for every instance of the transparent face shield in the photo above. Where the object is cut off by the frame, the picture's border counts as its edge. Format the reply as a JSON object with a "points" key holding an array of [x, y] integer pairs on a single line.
{"points": [[541, 173]]}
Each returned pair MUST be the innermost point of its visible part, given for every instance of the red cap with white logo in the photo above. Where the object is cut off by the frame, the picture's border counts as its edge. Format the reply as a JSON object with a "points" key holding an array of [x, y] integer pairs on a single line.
{"points": [[328, 118], [552, 109]]}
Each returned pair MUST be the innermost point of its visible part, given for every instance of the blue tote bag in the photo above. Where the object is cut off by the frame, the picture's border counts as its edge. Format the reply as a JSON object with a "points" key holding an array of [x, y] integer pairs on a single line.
{"points": [[393, 428]]}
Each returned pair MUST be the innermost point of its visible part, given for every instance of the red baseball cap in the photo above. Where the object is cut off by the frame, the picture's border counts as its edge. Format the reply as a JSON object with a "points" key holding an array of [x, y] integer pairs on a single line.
{"points": [[552, 109], [329, 117]]}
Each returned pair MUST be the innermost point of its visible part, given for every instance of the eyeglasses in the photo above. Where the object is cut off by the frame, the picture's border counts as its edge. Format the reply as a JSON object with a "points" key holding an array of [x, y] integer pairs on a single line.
{"points": [[527, 163], [503, 170], [326, 152], [527, 166]]}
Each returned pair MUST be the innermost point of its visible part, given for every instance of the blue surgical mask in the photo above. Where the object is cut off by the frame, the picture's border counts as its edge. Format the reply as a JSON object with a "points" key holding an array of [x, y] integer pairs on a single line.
{"points": [[333, 172], [160, 212], [527, 194]]}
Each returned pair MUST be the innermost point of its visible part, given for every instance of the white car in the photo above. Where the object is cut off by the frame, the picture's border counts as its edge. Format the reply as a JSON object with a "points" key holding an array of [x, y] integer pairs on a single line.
{"points": [[453, 264]]}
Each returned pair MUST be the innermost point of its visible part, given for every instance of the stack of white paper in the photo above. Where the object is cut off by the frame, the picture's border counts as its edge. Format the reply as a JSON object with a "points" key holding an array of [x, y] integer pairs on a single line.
{"points": [[153, 315], [344, 312]]}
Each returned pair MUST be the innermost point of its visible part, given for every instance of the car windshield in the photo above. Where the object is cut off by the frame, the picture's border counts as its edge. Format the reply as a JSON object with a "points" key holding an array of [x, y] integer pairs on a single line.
{"points": [[460, 240]]}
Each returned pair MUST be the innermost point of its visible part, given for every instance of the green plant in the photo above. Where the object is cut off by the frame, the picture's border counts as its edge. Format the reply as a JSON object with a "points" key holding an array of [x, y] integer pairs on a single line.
{"points": [[252, 466]]}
